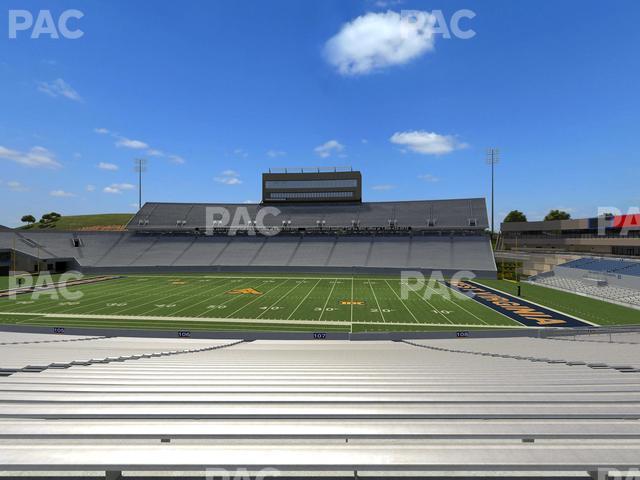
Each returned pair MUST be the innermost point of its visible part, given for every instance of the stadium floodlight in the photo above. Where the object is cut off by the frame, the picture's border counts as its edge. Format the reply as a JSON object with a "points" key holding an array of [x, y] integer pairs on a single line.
{"points": [[493, 158], [140, 166]]}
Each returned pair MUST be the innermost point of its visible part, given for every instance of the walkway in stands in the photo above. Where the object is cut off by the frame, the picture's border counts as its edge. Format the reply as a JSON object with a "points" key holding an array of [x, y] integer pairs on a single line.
{"points": [[438, 405]]}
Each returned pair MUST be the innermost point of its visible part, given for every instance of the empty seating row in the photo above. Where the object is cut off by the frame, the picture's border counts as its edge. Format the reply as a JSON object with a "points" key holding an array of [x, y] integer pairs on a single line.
{"points": [[353, 408], [576, 285], [620, 266], [127, 249], [435, 214]]}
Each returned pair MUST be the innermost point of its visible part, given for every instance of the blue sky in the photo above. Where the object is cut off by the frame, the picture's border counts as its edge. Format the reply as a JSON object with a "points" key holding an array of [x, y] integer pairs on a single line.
{"points": [[214, 92]]}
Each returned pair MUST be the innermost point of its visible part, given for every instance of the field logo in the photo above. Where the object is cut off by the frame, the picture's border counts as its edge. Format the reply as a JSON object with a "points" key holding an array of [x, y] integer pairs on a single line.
{"points": [[219, 219], [244, 291], [351, 302], [21, 283], [44, 24], [415, 281]]}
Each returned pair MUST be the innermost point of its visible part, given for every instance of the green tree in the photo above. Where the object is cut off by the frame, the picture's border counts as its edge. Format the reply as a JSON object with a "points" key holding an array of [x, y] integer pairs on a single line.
{"points": [[515, 216], [28, 219], [557, 215], [50, 217]]}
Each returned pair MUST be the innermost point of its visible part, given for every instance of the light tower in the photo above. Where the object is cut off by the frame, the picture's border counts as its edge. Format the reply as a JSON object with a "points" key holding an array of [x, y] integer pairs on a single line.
{"points": [[493, 158], [140, 166]]}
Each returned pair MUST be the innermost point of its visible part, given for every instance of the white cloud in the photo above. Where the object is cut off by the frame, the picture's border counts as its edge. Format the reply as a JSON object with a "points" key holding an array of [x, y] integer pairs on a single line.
{"points": [[15, 186], [427, 143], [90, 188], [387, 3], [239, 152], [228, 177], [35, 157], [128, 143], [228, 180], [59, 88], [107, 166], [327, 149], [276, 153], [378, 40], [139, 145], [383, 187], [427, 177], [117, 188], [61, 193]]}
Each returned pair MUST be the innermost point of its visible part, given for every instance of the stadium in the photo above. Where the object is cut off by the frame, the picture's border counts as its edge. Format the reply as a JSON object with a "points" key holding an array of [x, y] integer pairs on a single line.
{"points": [[307, 334], [319, 239]]}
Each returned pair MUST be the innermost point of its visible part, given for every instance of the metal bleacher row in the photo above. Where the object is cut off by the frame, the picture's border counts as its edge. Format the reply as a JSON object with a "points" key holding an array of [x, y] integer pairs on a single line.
{"points": [[608, 292], [617, 266], [531, 406], [127, 249], [439, 214]]}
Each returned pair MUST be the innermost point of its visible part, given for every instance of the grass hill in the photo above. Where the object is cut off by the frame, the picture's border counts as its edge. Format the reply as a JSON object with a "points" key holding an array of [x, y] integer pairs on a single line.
{"points": [[104, 222]]}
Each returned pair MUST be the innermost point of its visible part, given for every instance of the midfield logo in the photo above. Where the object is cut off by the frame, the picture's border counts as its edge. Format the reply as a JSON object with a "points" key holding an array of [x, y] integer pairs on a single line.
{"points": [[244, 291]]}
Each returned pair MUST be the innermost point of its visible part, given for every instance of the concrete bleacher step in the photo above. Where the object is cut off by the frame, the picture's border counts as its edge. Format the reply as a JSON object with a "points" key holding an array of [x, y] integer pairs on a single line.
{"points": [[484, 405]]}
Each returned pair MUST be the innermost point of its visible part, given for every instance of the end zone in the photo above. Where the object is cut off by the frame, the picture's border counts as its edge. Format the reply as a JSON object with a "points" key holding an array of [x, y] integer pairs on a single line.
{"points": [[522, 311]]}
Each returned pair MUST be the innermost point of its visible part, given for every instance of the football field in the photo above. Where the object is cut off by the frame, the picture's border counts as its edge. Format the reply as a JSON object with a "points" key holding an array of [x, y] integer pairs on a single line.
{"points": [[267, 302], [256, 302]]}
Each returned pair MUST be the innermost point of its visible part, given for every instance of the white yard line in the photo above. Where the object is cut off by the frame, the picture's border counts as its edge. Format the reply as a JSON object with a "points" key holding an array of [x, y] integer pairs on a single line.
{"points": [[457, 304], [402, 301], [377, 303], [434, 308], [533, 303], [328, 298], [48, 304], [279, 300], [223, 287], [125, 289], [351, 300], [303, 300], [229, 300], [258, 297], [227, 320], [161, 298]]}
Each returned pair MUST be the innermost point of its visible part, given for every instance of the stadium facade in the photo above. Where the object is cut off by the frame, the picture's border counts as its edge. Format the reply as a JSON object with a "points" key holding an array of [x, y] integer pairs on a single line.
{"points": [[608, 235], [314, 236]]}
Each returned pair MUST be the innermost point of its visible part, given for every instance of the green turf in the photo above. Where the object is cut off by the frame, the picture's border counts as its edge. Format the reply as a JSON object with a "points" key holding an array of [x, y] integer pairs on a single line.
{"points": [[590, 309], [5, 281], [79, 222], [284, 303]]}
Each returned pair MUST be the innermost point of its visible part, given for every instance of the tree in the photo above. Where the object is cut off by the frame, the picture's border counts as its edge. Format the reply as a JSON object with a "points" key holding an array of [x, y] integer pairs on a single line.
{"points": [[557, 215], [515, 216], [50, 217], [28, 219]]}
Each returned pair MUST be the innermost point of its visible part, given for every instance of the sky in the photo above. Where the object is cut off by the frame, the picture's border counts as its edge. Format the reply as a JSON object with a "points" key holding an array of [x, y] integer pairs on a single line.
{"points": [[214, 92]]}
